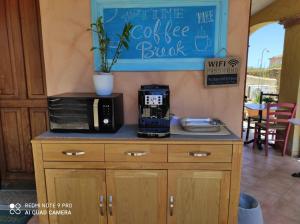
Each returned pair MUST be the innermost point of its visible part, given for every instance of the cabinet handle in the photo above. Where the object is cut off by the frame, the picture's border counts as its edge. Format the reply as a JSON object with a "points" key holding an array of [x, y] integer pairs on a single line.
{"points": [[73, 153], [101, 205], [199, 154], [110, 205], [136, 153], [171, 204]]}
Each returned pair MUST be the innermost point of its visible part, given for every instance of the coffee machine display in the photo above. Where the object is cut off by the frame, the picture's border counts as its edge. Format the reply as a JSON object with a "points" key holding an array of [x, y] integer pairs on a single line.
{"points": [[154, 111]]}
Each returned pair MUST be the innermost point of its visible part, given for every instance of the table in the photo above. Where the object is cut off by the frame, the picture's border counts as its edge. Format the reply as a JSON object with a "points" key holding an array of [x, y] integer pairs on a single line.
{"points": [[295, 121], [260, 108], [255, 106]]}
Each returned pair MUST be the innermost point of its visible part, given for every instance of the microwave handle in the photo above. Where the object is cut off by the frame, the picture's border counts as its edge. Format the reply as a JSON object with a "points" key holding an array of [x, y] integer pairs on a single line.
{"points": [[96, 114]]}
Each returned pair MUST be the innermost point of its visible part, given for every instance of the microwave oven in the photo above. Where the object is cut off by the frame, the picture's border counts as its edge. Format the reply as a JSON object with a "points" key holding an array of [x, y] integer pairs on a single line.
{"points": [[85, 112]]}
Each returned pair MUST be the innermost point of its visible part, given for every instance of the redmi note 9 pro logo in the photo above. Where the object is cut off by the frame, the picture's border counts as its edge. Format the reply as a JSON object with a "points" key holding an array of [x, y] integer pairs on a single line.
{"points": [[15, 209]]}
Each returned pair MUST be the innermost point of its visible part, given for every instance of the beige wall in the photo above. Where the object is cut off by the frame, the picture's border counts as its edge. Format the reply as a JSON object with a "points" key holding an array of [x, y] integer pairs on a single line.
{"points": [[68, 64], [278, 10], [290, 78], [290, 72]]}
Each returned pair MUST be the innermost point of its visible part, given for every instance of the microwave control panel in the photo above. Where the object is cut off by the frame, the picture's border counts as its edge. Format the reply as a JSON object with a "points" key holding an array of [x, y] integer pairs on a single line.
{"points": [[106, 112]]}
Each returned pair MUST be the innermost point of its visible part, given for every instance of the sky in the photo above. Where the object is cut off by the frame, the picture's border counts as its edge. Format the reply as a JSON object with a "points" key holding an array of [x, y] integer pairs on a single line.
{"points": [[270, 37]]}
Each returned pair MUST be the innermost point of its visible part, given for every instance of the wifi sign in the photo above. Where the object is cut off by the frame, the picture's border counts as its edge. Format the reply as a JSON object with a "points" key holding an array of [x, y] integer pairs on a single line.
{"points": [[233, 62], [222, 71]]}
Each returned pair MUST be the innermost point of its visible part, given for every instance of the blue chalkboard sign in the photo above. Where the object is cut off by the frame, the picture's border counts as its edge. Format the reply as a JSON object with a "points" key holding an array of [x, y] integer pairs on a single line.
{"points": [[167, 34]]}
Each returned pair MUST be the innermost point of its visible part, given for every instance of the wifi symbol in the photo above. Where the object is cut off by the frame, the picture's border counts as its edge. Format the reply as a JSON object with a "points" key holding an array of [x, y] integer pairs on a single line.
{"points": [[233, 62]]}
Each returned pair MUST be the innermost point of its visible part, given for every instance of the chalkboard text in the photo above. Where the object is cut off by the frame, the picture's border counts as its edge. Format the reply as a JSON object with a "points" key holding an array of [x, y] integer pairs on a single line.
{"points": [[166, 32], [156, 32]]}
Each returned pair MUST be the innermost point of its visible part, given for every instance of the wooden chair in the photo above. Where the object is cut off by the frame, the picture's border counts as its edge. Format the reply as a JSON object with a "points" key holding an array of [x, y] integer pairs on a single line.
{"points": [[255, 116], [278, 115]]}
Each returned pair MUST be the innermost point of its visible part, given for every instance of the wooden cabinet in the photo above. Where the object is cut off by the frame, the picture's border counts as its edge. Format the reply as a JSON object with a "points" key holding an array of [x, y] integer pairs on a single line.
{"points": [[198, 197], [81, 191], [140, 190], [137, 196], [23, 103], [132, 197]]}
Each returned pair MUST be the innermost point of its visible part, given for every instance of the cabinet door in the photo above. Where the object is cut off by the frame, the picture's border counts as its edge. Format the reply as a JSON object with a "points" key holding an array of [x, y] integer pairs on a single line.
{"points": [[38, 121], [84, 189], [136, 197], [198, 197], [29, 19], [12, 73], [15, 140]]}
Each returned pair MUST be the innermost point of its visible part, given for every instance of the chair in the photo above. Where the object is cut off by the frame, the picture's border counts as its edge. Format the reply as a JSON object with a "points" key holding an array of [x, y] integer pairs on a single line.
{"points": [[278, 115], [256, 115]]}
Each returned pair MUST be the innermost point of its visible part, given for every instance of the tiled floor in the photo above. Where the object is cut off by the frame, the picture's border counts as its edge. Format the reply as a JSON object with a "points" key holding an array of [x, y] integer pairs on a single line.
{"points": [[34, 220], [269, 180]]}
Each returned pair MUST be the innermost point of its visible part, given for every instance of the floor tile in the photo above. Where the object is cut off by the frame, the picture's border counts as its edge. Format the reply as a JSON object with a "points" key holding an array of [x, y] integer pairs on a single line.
{"points": [[269, 180]]}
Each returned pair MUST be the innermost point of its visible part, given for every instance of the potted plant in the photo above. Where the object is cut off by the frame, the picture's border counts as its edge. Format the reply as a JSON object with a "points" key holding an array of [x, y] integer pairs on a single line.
{"points": [[268, 100], [103, 81]]}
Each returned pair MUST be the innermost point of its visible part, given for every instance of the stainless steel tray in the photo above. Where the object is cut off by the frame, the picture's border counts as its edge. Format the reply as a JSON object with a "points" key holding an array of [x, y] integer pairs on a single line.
{"points": [[201, 124]]}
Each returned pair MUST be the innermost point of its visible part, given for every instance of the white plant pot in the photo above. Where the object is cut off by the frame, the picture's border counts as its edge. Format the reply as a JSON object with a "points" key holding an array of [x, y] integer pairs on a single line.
{"points": [[104, 83]]}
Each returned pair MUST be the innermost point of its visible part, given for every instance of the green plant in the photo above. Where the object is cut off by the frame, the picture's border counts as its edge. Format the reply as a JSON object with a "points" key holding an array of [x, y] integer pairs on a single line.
{"points": [[104, 42], [257, 98], [268, 100], [265, 99]]}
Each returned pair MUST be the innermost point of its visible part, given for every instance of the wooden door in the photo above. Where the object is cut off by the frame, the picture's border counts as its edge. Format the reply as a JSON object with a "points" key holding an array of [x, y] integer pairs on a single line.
{"points": [[198, 197], [84, 189], [22, 89], [136, 197]]}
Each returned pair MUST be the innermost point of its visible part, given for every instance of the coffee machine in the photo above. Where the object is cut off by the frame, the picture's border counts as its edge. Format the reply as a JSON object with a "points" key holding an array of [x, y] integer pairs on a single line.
{"points": [[154, 111]]}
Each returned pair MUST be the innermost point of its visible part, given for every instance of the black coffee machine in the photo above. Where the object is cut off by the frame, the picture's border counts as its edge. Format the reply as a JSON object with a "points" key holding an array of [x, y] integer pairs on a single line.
{"points": [[154, 111]]}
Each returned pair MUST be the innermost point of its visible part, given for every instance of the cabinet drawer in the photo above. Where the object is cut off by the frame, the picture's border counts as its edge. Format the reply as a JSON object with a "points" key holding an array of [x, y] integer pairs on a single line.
{"points": [[200, 153], [135, 153], [73, 152]]}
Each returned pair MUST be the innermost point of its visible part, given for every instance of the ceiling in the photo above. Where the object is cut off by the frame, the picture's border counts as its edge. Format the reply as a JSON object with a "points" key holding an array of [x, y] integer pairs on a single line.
{"points": [[258, 5]]}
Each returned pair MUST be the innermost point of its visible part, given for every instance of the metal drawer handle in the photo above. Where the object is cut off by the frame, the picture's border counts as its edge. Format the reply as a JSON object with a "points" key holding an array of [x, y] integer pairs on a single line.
{"points": [[199, 154], [101, 205], [110, 205], [136, 153], [73, 153], [171, 205]]}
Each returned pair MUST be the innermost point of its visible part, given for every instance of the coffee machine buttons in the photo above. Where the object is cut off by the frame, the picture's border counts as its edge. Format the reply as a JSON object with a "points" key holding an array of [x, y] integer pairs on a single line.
{"points": [[153, 100]]}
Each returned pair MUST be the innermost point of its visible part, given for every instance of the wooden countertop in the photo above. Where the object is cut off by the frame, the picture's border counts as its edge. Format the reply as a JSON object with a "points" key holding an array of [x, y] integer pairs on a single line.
{"points": [[129, 133]]}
